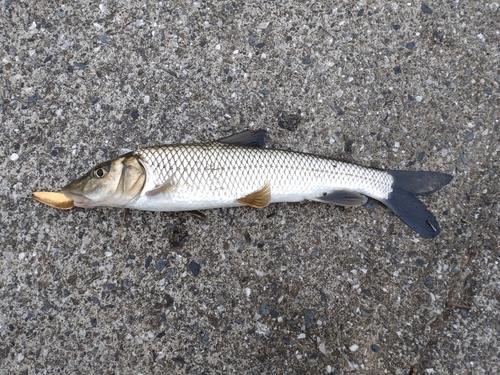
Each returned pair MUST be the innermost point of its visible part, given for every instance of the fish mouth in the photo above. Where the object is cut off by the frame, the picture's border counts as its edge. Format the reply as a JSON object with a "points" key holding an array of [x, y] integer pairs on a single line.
{"points": [[72, 191], [78, 199]]}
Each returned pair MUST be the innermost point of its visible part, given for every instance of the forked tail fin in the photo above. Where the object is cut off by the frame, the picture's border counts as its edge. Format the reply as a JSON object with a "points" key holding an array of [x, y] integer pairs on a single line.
{"points": [[404, 203]]}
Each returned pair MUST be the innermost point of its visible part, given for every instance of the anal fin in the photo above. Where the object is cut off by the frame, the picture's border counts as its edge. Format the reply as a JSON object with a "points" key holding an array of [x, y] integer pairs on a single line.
{"points": [[343, 198], [259, 198]]}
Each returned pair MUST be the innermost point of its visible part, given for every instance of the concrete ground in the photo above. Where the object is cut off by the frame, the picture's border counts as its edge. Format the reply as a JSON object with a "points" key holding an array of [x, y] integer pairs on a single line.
{"points": [[293, 288]]}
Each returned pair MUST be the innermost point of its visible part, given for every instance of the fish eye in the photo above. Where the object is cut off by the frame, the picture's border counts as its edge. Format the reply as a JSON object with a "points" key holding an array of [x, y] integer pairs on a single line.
{"points": [[99, 172]]}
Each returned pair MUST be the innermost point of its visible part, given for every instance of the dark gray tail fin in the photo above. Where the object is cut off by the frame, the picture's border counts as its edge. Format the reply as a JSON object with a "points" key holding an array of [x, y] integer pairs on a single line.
{"points": [[404, 203]]}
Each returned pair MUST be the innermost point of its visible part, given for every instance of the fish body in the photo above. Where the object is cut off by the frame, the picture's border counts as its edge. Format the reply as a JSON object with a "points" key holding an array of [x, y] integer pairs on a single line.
{"points": [[213, 175], [239, 171]]}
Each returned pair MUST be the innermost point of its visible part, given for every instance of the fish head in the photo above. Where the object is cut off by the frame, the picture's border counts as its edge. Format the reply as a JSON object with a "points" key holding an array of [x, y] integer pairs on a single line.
{"points": [[113, 183]]}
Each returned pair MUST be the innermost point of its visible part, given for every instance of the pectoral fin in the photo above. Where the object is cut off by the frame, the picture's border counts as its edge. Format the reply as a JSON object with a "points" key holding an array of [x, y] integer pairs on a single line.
{"points": [[343, 198], [259, 198], [160, 189]]}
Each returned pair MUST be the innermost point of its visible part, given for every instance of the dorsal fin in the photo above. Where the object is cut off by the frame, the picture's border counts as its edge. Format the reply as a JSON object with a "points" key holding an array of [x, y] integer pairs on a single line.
{"points": [[259, 198], [250, 138]]}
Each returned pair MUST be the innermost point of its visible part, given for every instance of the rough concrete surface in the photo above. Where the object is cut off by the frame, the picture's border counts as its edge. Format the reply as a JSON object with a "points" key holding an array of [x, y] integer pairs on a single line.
{"points": [[293, 288]]}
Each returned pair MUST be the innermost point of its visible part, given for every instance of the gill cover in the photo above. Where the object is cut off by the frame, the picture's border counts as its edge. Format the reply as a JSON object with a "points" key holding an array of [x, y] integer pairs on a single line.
{"points": [[113, 183]]}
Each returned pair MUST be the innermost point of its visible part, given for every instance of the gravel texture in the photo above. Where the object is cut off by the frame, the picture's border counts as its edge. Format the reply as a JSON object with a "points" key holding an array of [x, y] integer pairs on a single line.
{"points": [[293, 288]]}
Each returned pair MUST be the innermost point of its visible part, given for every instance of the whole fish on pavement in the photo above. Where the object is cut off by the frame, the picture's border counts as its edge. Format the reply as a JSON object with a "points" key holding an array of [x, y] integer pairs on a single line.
{"points": [[239, 171]]}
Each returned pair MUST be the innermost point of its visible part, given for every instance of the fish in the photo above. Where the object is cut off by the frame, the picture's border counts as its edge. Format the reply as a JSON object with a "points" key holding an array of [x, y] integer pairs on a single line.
{"points": [[240, 171]]}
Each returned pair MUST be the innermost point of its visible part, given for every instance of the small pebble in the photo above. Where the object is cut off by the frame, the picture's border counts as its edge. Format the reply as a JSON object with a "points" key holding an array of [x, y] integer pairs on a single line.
{"points": [[160, 264], [104, 39], [322, 348], [425, 8], [410, 45], [194, 268], [169, 273], [149, 259], [464, 313], [374, 348], [353, 348], [34, 98], [308, 317], [14, 157], [370, 204], [429, 282], [264, 309]]}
